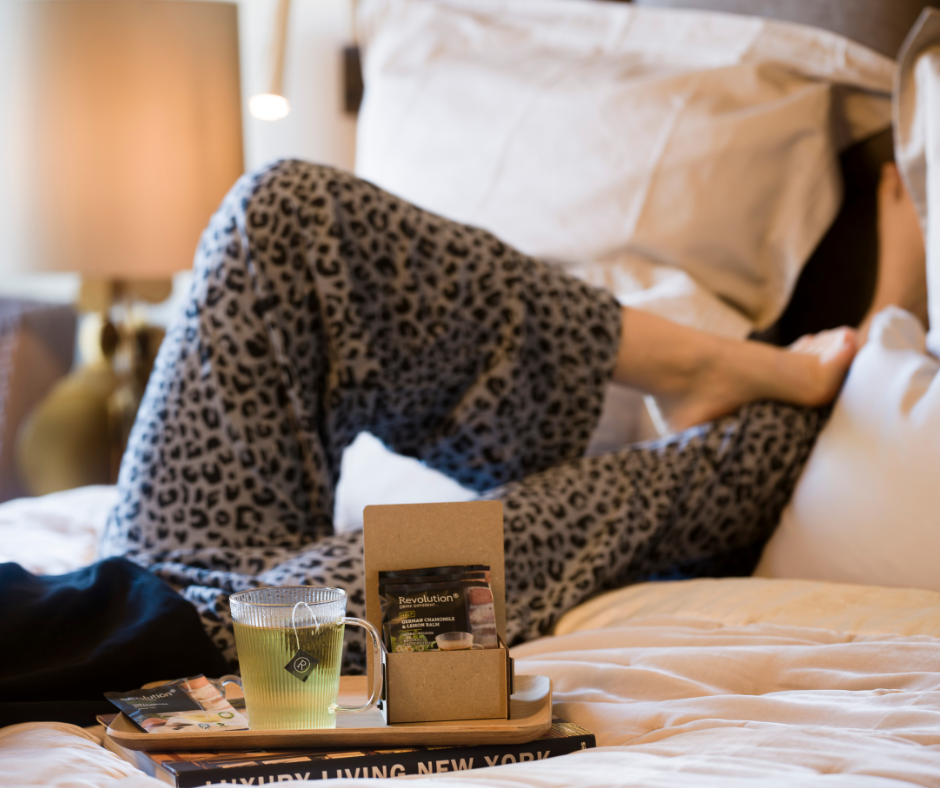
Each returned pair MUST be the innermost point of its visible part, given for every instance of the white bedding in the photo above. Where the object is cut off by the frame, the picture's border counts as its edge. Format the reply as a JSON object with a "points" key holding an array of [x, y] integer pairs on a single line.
{"points": [[56, 533], [702, 683]]}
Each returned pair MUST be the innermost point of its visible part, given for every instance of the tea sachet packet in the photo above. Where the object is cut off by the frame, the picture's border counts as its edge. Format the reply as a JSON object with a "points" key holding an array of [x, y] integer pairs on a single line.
{"points": [[193, 705], [421, 605]]}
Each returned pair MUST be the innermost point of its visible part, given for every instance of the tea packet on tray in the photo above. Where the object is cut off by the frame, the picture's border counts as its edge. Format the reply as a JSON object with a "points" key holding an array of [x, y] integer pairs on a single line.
{"points": [[193, 705], [438, 608]]}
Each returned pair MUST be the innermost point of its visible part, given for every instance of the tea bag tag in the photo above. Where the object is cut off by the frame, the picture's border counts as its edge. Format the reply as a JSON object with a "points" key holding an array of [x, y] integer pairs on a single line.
{"points": [[301, 665]]}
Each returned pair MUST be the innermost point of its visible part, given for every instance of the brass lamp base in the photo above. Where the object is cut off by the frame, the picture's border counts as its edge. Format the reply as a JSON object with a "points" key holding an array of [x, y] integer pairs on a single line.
{"points": [[66, 441], [77, 435]]}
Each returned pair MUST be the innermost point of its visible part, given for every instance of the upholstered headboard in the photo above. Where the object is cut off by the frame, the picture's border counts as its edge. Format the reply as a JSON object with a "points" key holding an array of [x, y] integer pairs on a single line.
{"points": [[879, 24], [838, 281]]}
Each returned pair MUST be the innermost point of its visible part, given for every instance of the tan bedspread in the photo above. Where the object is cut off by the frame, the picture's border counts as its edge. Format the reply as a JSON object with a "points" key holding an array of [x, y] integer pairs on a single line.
{"points": [[705, 683]]}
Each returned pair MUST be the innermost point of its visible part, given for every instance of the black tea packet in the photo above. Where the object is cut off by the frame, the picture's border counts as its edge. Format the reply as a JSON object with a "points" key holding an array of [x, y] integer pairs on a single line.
{"points": [[420, 605]]}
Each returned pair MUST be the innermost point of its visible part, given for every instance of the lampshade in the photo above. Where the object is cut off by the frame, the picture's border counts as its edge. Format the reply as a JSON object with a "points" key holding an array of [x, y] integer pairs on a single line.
{"points": [[121, 132]]}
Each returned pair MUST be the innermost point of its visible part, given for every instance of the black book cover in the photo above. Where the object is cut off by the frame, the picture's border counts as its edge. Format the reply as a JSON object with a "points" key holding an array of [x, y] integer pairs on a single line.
{"points": [[261, 768]]}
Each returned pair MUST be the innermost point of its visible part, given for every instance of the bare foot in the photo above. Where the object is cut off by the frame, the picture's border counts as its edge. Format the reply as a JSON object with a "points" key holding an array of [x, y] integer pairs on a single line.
{"points": [[810, 372], [826, 358], [696, 377], [902, 269]]}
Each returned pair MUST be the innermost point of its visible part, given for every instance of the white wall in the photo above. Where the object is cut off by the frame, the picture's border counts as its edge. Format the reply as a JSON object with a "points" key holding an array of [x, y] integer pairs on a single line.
{"points": [[316, 128]]}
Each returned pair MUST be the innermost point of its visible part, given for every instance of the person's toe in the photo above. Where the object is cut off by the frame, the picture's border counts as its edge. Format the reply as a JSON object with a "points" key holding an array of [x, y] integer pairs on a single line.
{"points": [[838, 344]]}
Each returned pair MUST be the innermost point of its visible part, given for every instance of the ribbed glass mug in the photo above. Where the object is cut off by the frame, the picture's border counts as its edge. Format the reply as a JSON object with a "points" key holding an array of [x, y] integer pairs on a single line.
{"points": [[290, 648]]}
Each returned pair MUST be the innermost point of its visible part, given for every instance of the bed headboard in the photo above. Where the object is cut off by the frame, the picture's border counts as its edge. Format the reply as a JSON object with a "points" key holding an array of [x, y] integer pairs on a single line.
{"points": [[879, 24]]}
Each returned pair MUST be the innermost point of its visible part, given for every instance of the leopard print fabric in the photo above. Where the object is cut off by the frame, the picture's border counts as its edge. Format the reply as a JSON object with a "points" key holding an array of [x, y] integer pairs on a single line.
{"points": [[322, 306]]}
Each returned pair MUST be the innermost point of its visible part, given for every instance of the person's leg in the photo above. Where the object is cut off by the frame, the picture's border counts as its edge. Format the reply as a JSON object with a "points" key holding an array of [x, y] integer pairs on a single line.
{"points": [[602, 522], [596, 523], [592, 523], [322, 306]]}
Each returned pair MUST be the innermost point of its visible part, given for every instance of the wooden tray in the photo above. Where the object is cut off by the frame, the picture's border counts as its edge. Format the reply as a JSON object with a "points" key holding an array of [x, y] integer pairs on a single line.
{"points": [[531, 710]]}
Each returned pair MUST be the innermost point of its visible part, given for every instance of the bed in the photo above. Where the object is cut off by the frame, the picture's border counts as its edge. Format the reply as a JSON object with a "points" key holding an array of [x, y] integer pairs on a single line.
{"points": [[704, 682], [788, 678]]}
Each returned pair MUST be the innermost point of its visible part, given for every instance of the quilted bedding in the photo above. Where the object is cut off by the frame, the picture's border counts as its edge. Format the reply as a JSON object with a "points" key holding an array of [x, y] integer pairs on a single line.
{"points": [[705, 683]]}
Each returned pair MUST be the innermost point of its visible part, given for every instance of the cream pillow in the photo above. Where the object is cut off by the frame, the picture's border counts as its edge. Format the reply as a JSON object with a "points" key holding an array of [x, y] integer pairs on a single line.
{"points": [[867, 506], [685, 160]]}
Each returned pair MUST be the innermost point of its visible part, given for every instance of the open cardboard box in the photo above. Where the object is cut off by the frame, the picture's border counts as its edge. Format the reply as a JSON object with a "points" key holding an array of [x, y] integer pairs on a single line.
{"points": [[440, 685]]}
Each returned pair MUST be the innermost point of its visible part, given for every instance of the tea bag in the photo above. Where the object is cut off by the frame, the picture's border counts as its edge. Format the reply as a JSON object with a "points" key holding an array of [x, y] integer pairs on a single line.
{"points": [[301, 664]]}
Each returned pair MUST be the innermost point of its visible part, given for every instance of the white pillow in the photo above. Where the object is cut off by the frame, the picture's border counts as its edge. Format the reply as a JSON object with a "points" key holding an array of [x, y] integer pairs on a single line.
{"points": [[684, 159], [867, 506], [372, 474]]}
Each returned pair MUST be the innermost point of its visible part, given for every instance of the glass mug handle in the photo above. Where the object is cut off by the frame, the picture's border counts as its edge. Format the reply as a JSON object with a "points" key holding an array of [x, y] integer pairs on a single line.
{"points": [[223, 681], [378, 655]]}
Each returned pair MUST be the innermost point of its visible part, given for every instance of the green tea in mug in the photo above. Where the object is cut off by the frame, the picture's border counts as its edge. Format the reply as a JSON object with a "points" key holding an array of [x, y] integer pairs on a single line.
{"points": [[290, 648], [279, 699]]}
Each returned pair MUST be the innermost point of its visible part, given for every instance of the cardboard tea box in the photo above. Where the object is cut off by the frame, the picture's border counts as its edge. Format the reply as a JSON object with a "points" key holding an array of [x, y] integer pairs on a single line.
{"points": [[440, 685]]}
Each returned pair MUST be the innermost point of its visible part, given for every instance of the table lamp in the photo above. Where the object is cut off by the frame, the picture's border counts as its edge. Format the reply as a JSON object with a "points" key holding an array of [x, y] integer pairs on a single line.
{"points": [[120, 132]]}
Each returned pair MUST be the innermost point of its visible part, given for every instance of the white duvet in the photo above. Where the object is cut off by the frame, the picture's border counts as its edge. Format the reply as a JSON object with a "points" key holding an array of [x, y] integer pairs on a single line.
{"points": [[703, 683]]}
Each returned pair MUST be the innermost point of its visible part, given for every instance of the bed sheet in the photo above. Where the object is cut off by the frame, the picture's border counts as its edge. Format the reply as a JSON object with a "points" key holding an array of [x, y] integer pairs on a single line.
{"points": [[705, 683], [56, 533]]}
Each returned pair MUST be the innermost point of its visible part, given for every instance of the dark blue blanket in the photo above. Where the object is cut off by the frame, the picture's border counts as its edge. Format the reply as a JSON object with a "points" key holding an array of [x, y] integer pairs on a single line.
{"points": [[66, 639]]}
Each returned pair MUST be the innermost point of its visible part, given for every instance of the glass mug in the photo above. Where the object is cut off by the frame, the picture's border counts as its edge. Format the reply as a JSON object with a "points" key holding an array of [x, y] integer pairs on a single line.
{"points": [[290, 648]]}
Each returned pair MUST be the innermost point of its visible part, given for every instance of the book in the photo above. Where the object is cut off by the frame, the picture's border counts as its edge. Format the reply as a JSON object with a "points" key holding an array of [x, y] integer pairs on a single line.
{"points": [[190, 769]]}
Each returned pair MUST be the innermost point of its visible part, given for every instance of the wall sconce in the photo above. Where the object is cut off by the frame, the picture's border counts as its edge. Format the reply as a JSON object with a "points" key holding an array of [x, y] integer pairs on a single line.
{"points": [[273, 105]]}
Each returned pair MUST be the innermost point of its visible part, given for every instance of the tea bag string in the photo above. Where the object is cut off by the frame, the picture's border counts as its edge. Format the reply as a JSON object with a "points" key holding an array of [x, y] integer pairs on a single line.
{"points": [[293, 620]]}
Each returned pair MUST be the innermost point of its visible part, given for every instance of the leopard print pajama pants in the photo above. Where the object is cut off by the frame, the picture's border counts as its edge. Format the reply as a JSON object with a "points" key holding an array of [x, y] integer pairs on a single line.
{"points": [[322, 306]]}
